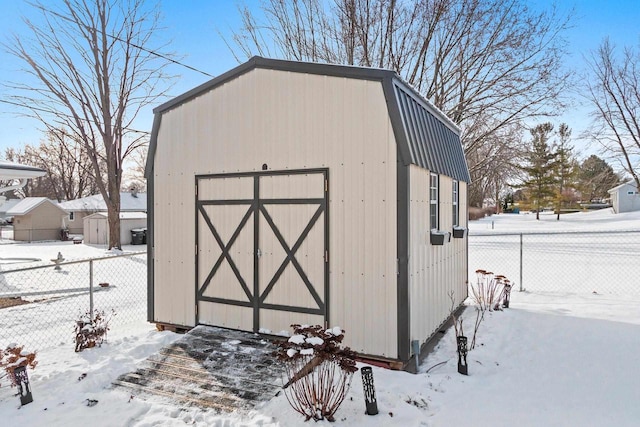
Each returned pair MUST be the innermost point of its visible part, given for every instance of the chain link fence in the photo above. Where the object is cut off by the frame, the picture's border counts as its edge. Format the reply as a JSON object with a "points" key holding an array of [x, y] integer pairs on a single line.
{"points": [[572, 262], [40, 304]]}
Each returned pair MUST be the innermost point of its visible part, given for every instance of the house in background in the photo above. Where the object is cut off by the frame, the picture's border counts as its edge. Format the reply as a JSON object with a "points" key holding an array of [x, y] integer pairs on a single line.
{"points": [[14, 176], [625, 197], [37, 218], [80, 208], [311, 194], [96, 227], [5, 206]]}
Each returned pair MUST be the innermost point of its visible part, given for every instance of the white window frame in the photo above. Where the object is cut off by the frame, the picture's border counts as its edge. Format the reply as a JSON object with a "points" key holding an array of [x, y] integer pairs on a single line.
{"points": [[72, 216], [455, 199], [434, 207]]}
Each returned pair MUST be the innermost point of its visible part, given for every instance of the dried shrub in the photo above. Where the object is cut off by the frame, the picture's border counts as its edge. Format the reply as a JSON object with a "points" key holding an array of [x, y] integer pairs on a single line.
{"points": [[91, 329], [488, 293], [13, 357], [318, 370], [479, 213]]}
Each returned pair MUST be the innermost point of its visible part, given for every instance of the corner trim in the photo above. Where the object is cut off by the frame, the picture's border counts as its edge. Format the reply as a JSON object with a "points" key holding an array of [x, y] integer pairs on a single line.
{"points": [[402, 235]]}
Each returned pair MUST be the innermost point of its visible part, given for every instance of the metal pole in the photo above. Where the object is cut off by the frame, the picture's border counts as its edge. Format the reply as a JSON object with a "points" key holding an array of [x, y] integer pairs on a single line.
{"points": [[520, 262], [91, 289]]}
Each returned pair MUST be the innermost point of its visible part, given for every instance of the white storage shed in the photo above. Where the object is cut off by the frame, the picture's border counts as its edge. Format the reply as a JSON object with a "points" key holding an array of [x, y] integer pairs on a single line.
{"points": [[625, 197], [285, 192], [96, 227]]}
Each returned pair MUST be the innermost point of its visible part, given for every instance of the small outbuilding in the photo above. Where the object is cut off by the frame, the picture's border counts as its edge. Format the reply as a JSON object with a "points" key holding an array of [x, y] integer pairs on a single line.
{"points": [[96, 227], [37, 218], [80, 208], [286, 192], [625, 197]]}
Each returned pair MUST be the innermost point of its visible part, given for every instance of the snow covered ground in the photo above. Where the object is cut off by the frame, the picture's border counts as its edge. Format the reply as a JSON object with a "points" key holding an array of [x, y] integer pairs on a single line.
{"points": [[552, 359], [583, 252]]}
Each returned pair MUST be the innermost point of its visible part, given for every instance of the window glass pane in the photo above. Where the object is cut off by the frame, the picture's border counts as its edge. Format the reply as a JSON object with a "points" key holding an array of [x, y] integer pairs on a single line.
{"points": [[433, 200]]}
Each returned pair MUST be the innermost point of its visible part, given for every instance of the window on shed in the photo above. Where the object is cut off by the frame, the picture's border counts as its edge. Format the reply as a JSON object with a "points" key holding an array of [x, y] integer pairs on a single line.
{"points": [[454, 199], [72, 216], [433, 200]]}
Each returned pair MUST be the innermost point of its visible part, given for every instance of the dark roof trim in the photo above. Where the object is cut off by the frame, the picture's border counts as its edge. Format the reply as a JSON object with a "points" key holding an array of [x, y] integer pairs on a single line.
{"points": [[412, 116], [153, 143]]}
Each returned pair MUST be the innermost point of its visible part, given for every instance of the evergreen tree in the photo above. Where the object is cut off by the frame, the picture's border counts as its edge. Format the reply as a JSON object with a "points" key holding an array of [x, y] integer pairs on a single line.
{"points": [[595, 178], [539, 167], [564, 165]]}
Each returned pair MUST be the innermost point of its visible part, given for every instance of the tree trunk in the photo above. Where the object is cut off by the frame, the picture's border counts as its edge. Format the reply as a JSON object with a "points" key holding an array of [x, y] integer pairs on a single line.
{"points": [[113, 208]]}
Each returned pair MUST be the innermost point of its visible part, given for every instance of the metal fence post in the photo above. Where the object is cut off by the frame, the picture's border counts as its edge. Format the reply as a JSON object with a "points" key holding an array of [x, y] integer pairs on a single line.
{"points": [[91, 289], [520, 262]]}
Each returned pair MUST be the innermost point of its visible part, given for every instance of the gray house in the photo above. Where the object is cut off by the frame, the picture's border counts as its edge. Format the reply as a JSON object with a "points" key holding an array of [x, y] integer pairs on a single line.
{"points": [[286, 192]]}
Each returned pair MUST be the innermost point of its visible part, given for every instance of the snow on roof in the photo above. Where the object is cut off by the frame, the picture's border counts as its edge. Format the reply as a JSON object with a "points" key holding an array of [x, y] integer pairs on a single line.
{"points": [[128, 202], [27, 204], [8, 204], [624, 184]]}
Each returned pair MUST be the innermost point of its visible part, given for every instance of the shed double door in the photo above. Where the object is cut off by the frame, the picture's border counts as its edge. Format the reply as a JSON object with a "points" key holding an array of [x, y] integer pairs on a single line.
{"points": [[262, 248]]}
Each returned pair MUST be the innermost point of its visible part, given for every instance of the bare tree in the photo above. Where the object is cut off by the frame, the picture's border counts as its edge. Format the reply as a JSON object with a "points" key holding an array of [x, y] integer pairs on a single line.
{"points": [[614, 92], [69, 175], [92, 70], [490, 65], [134, 174]]}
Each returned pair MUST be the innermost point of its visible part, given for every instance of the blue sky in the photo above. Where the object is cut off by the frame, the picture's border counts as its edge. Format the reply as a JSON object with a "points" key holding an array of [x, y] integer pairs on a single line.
{"points": [[193, 26]]}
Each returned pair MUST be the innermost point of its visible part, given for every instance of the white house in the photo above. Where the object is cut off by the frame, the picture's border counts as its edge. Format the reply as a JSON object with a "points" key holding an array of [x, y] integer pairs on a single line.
{"points": [[625, 197]]}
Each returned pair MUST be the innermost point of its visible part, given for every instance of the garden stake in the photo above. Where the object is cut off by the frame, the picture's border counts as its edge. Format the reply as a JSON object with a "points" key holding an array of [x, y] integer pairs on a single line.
{"points": [[369, 390], [22, 381], [462, 355]]}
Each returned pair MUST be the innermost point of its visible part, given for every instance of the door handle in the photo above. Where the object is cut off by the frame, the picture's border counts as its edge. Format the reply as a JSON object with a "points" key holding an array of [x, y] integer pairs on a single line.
{"points": [[258, 253]]}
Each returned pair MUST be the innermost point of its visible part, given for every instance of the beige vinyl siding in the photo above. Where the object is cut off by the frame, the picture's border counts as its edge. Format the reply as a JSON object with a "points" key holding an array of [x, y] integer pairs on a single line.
{"points": [[77, 225], [43, 222], [434, 271], [287, 121]]}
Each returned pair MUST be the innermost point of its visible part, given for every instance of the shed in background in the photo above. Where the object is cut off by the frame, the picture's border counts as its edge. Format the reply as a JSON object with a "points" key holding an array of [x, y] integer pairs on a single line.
{"points": [[78, 209], [96, 227], [37, 218], [625, 197]]}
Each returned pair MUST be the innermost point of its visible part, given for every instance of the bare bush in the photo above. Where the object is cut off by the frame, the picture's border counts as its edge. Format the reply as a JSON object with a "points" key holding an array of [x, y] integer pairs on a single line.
{"points": [[488, 293], [91, 329], [479, 213], [13, 357], [318, 370]]}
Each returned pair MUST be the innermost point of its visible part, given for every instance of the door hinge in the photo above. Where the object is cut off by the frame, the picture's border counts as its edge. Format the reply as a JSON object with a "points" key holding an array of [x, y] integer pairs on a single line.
{"points": [[326, 185], [397, 266], [196, 310], [326, 256]]}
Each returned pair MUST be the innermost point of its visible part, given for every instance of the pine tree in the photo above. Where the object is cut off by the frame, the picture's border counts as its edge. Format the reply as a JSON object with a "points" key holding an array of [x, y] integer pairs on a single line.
{"points": [[539, 167], [564, 165]]}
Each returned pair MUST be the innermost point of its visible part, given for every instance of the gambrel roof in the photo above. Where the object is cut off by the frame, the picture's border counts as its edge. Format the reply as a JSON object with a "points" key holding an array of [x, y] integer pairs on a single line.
{"points": [[425, 136]]}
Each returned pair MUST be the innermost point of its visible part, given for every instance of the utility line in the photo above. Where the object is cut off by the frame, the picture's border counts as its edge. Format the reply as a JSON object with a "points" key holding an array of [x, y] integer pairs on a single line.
{"points": [[67, 116], [160, 55]]}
